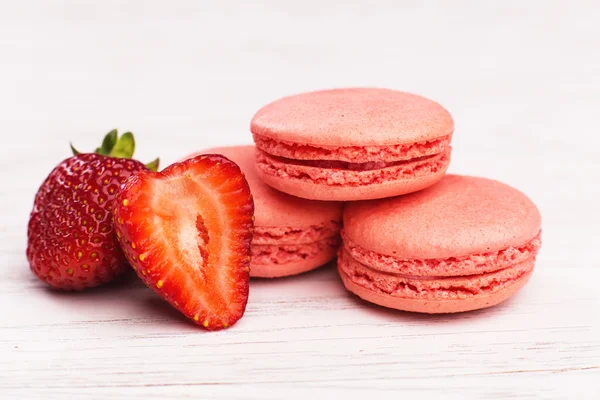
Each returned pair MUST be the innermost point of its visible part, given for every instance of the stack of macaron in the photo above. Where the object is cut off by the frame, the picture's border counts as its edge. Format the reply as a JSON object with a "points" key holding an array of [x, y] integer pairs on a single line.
{"points": [[370, 164]]}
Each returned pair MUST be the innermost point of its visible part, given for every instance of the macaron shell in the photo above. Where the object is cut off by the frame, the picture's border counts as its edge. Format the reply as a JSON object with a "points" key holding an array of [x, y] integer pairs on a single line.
{"points": [[458, 216], [388, 188], [435, 306], [353, 116], [274, 208]]}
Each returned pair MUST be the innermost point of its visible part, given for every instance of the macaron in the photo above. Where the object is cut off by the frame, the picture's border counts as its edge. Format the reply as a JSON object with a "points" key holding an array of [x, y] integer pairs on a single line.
{"points": [[463, 244], [352, 144], [291, 235]]}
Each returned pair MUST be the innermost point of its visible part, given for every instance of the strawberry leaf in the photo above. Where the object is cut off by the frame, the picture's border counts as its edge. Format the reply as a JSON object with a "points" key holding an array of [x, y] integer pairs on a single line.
{"points": [[124, 147], [153, 165], [108, 143], [74, 150], [117, 146]]}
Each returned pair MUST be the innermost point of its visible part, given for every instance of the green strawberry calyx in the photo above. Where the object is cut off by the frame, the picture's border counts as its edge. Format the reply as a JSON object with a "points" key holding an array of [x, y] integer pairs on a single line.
{"points": [[117, 146]]}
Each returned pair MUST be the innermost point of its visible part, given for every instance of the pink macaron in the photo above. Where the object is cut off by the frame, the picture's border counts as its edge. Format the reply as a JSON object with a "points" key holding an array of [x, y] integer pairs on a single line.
{"points": [[463, 244], [291, 235], [352, 144]]}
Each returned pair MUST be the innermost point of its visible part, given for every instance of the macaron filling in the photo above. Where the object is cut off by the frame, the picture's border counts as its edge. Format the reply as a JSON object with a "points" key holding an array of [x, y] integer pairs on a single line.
{"points": [[339, 176], [431, 287], [344, 165]]}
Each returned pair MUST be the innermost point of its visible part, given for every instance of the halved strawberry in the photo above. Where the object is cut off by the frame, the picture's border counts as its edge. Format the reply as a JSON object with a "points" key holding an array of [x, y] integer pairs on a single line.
{"points": [[186, 231]]}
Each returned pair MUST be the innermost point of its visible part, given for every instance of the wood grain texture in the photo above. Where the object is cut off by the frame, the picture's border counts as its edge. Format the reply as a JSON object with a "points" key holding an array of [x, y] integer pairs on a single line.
{"points": [[521, 81]]}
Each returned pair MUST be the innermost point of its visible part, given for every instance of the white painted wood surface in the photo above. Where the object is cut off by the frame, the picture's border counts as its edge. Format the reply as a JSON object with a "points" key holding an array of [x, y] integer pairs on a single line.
{"points": [[521, 79]]}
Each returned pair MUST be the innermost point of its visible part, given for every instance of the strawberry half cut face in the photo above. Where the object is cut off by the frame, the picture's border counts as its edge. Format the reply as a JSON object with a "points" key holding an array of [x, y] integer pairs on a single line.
{"points": [[186, 231]]}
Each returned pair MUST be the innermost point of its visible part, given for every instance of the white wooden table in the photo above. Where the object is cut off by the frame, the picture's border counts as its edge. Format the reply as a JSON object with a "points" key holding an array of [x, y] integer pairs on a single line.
{"points": [[522, 82]]}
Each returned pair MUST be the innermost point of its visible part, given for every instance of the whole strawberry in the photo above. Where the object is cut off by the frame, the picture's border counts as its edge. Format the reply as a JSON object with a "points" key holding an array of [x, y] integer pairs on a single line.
{"points": [[71, 243]]}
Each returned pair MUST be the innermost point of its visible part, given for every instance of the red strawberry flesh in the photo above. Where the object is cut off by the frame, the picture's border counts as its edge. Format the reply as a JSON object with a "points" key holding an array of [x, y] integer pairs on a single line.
{"points": [[187, 231]]}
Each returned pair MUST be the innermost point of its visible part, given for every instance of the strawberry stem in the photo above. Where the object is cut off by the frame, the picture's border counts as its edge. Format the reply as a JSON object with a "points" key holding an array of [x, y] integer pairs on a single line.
{"points": [[117, 146]]}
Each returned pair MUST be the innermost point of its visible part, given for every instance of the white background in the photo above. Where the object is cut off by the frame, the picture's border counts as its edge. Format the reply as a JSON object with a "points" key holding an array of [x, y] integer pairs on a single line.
{"points": [[522, 79]]}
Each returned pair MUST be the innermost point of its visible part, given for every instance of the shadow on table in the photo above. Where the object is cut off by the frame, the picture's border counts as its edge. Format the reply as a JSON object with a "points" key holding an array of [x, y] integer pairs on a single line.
{"points": [[128, 295], [138, 301], [327, 283]]}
